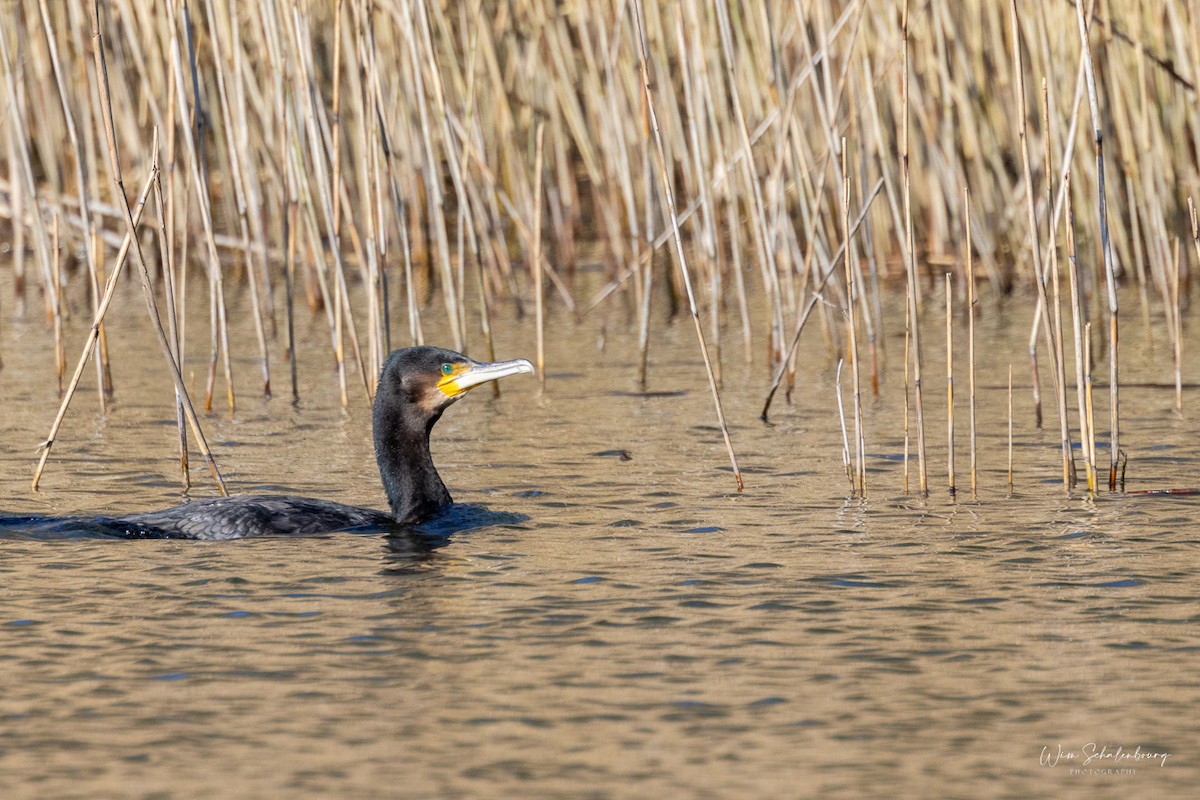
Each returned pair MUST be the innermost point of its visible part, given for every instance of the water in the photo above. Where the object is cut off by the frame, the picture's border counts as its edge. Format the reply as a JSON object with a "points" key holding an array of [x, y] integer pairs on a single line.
{"points": [[646, 632]]}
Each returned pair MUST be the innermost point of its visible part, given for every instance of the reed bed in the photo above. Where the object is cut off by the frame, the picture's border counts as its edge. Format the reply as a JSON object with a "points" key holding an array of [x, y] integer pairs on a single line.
{"points": [[460, 162]]}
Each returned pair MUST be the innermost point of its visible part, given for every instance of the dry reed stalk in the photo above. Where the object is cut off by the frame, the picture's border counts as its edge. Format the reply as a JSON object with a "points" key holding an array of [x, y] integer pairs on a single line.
{"points": [[814, 298], [1043, 317], [739, 279], [694, 92], [435, 201], [92, 337], [339, 331], [317, 132], [41, 239], [643, 290], [910, 256], [254, 190], [572, 72], [1060, 374], [60, 360], [451, 153], [1010, 431], [169, 219], [218, 323], [718, 182], [164, 250], [760, 228], [335, 122], [241, 192], [1086, 434], [1176, 328], [668, 195], [846, 463], [904, 483], [1195, 224], [1105, 252], [1195, 220], [103, 376], [517, 217], [16, 194], [950, 387], [971, 337], [535, 263], [290, 222], [860, 467], [131, 227], [1091, 417], [475, 202], [106, 386]]}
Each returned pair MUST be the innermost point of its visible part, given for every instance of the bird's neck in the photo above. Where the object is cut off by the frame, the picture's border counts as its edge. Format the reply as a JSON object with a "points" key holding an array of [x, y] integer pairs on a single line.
{"points": [[414, 489]]}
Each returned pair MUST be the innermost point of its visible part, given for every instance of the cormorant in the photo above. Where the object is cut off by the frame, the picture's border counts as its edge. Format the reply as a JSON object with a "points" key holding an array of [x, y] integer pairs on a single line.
{"points": [[415, 386]]}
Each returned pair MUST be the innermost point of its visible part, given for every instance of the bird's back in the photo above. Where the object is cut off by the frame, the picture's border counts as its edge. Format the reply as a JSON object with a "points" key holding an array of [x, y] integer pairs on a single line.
{"points": [[240, 516]]}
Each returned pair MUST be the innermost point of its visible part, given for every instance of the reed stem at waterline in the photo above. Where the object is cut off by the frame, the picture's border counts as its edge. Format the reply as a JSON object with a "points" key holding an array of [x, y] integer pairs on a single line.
{"points": [[1082, 346], [971, 339], [860, 470], [536, 258], [1110, 273], [950, 386], [847, 463], [1010, 431], [669, 196]]}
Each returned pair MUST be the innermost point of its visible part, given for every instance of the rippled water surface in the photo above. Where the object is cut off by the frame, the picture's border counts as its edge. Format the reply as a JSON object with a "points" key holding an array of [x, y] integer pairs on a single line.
{"points": [[645, 632]]}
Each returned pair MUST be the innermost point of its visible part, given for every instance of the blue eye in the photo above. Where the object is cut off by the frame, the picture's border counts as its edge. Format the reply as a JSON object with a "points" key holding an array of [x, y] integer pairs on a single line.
{"points": [[447, 369]]}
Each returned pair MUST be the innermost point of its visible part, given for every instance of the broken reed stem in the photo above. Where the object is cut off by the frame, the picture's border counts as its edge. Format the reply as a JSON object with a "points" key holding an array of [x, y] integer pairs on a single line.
{"points": [[92, 337], [535, 263], [1110, 274], [971, 337], [950, 386], [668, 195], [814, 298], [123, 202]]}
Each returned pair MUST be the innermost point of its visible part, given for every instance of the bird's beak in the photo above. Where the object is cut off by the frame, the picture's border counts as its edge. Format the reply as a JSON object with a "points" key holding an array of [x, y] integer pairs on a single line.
{"points": [[468, 376]]}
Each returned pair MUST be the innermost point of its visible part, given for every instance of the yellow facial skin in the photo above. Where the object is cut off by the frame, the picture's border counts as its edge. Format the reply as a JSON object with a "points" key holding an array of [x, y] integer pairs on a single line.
{"points": [[449, 383]]}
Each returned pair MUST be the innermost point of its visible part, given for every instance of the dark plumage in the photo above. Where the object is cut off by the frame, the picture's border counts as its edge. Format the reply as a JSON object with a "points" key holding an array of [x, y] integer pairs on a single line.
{"points": [[416, 385]]}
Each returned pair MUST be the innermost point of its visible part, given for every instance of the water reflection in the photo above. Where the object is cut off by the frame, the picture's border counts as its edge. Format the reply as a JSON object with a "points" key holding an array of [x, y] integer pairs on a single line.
{"points": [[604, 610], [410, 548]]}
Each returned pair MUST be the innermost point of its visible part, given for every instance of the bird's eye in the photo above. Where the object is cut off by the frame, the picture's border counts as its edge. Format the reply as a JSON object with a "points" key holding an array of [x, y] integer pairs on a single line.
{"points": [[447, 369]]}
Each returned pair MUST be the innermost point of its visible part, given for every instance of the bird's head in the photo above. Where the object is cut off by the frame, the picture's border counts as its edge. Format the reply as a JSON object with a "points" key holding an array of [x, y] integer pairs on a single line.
{"points": [[428, 379]]}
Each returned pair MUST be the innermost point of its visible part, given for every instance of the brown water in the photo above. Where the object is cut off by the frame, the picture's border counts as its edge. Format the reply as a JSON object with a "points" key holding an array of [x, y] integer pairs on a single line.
{"points": [[647, 632]]}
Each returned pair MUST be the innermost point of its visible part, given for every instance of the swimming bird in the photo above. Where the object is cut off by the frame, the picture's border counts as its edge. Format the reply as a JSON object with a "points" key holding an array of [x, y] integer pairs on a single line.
{"points": [[415, 386]]}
